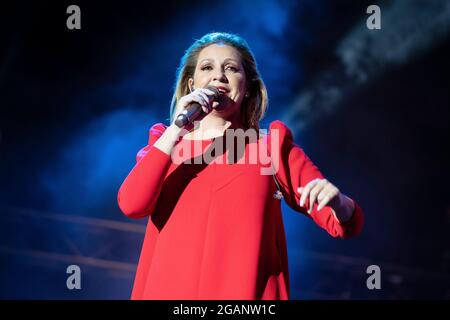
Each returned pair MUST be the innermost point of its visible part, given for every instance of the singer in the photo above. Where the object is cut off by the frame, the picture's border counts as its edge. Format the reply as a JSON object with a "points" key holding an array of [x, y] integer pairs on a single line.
{"points": [[215, 229]]}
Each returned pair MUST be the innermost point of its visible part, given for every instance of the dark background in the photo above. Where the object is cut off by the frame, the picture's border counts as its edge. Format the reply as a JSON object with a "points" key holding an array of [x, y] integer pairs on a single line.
{"points": [[369, 107]]}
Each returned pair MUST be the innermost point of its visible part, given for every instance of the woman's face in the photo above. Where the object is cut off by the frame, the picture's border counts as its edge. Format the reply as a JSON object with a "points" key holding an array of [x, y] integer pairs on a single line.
{"points": [[220, 65]]}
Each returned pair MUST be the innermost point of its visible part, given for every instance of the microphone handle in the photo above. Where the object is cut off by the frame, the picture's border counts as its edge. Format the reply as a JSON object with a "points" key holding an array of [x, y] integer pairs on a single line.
{"points": [[188, 115]]}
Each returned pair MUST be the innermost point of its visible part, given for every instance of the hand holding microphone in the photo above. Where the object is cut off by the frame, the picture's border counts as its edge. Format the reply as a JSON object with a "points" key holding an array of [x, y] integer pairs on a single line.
{"points": [[194, 103]]}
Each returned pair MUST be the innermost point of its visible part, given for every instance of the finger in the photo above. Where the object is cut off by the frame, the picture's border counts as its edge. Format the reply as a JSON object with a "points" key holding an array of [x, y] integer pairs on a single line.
{"points": [[199, 99], [328, 197], [324, 191], [202, 99], [203, 96], [324, 202], [194, 97], [214, 104], [207, 100], [304, 194], [207, 94], [306, 190], [315, 192], [321, 198]]}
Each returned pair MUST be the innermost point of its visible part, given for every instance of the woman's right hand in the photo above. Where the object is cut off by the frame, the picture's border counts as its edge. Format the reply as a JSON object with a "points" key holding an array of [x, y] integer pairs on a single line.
{"points": [[171, 135], [202, 96]]}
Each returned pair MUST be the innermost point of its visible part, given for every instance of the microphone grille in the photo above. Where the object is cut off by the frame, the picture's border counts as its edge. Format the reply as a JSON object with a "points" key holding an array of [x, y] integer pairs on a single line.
{"points": [[214, 89]]}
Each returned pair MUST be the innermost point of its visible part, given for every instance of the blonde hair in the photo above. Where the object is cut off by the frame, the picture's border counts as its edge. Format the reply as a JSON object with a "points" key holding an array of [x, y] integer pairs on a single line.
{"points": [[254, 106]]}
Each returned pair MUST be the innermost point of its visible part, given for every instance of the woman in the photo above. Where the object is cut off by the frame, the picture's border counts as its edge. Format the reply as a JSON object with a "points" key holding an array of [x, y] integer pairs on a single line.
{"points": [[215, 229]]}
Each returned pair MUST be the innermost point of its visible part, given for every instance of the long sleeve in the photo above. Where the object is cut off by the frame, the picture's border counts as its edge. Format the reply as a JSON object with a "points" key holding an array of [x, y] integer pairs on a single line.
{"points": [[295, 170], [138, 193]]}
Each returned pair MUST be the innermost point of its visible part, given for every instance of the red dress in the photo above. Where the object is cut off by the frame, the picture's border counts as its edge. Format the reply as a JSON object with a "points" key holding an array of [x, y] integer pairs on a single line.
{"points": [[215, 230]]}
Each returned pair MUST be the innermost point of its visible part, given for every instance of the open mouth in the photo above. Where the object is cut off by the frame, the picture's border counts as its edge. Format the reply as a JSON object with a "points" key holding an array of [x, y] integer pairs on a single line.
{"points": [[222, 90]]}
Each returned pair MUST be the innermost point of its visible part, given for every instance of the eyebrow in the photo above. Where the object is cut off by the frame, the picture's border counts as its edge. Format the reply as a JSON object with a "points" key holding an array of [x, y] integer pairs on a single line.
{"points": [[225, 61]]}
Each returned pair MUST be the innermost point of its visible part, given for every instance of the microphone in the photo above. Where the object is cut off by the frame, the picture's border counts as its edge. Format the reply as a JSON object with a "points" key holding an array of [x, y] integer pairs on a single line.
{"points": [[193, 110]]}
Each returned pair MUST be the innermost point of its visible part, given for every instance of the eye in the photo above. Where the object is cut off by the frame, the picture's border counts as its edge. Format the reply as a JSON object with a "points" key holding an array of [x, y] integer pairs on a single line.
{"points": [[234, 69], [207, 67]]}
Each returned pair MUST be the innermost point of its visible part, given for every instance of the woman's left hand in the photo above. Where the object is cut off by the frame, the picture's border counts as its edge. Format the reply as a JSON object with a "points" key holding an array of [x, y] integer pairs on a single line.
{"points": [[326, 193]]}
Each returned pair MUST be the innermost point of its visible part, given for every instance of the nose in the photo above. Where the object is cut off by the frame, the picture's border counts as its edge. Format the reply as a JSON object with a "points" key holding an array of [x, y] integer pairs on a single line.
{"points": [[219, 75]]}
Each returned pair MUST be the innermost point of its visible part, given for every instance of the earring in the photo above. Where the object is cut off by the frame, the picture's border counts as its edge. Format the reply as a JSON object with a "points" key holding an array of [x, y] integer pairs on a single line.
{"points": [[247, 95]]}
